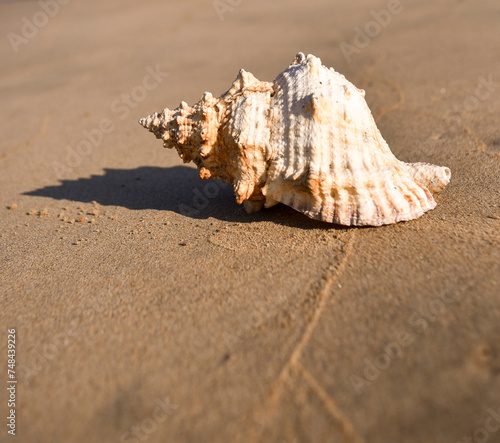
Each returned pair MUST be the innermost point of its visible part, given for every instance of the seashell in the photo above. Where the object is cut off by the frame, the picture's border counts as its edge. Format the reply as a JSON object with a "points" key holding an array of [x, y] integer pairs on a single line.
{"points": [[308, 140]]}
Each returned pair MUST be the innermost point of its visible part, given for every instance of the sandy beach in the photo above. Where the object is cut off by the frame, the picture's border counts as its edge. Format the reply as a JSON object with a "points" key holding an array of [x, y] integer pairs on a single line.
{"points": [[148, 306]]}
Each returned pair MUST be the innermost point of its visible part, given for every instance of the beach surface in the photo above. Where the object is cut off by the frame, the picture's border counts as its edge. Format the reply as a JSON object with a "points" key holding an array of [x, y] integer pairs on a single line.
{"points": [[148, 306]]}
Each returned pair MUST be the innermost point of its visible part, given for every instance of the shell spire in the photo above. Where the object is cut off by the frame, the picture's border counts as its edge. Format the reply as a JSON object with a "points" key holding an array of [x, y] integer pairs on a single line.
{"points": [[307, 140]]}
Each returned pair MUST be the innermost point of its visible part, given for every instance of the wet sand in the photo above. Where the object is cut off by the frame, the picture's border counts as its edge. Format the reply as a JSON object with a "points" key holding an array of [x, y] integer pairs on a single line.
{"points": [[148, 306]]}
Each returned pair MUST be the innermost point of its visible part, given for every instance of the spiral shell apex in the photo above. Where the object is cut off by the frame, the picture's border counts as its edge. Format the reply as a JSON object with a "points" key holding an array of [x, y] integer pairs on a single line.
{"points": [[308, 140]]}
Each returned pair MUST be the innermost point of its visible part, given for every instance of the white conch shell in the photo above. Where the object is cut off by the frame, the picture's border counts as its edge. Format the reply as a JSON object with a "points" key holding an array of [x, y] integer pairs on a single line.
{"points": [[307, 140]]}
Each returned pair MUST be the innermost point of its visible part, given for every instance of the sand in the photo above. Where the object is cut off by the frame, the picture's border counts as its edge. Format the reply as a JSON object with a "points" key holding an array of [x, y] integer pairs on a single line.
{"points": [[148, 306]]}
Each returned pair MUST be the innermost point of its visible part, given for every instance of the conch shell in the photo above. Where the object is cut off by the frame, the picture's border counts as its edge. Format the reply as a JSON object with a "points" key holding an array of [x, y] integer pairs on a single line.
{"points": [[307, 140]]}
